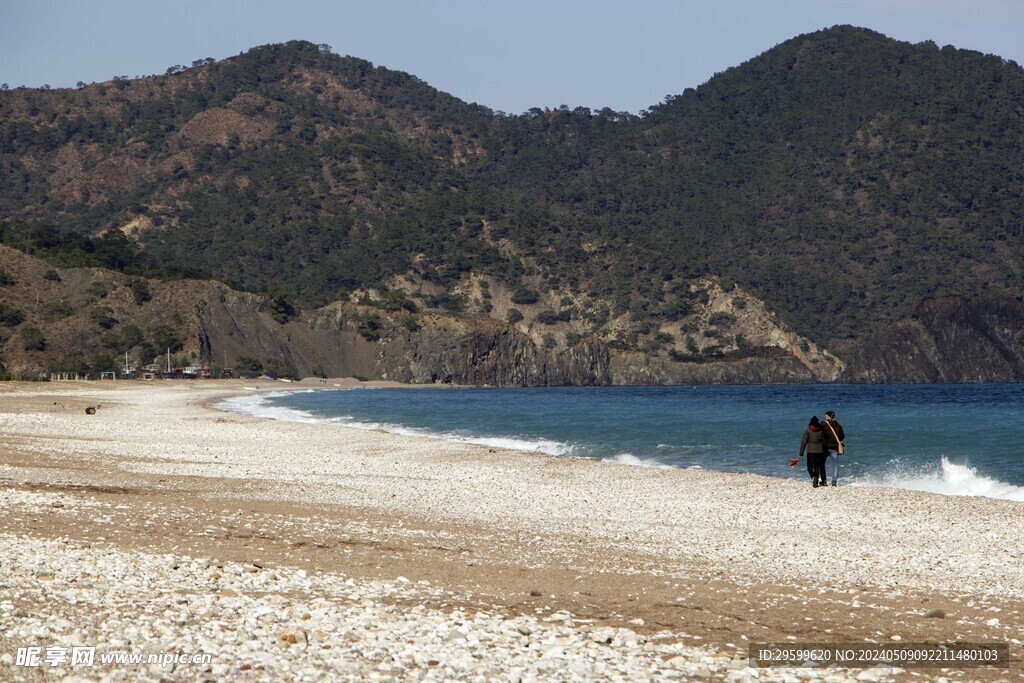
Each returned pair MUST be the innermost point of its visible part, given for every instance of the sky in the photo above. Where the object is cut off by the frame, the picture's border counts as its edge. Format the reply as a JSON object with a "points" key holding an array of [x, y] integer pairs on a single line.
{"points": [[509, 56]]}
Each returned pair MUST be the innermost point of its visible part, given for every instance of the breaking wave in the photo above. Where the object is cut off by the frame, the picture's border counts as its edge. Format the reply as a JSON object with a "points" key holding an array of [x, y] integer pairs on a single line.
{"points": [[947, 478]]}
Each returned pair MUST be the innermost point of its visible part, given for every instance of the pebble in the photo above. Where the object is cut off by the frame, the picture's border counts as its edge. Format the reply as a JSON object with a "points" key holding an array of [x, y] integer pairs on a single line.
{"points": [[329, 627]]}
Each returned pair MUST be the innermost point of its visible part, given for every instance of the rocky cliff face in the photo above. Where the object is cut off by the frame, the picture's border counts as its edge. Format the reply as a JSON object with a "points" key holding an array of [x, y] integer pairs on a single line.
{"points": [[766, 366], [345, 339], [951, 339], [427, 349], [423, 349], [81, 314], [947, 340]]}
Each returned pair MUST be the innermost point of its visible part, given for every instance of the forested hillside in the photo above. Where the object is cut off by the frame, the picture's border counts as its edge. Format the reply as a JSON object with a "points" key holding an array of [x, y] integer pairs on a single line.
{"points": [[841, 178]]}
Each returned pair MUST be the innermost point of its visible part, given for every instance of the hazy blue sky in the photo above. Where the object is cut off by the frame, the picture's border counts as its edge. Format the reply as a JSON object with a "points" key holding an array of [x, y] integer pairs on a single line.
{"points": [[512, 55]]}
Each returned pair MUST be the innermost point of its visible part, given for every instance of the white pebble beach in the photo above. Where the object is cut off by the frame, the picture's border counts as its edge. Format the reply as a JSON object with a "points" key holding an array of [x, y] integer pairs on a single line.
{"points": [[317, 552]]}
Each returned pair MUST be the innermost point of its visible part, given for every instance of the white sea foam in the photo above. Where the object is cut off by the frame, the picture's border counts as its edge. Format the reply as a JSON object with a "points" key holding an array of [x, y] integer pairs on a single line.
{"points": [[536, 445], [259, 406], [630, 459], [948, 478], [546, 446]]}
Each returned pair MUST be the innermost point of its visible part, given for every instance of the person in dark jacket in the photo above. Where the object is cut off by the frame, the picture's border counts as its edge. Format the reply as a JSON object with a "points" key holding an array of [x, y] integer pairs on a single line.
{"points": [[834, 435], [814, 443]]}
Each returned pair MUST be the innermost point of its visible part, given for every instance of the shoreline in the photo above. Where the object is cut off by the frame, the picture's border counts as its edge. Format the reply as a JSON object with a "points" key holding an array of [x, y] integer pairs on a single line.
{"points": [[693, 549], [947, 479]]}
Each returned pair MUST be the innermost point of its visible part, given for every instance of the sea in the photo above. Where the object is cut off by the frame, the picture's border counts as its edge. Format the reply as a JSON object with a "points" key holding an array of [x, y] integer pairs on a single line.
{"points": [[962, 440]]}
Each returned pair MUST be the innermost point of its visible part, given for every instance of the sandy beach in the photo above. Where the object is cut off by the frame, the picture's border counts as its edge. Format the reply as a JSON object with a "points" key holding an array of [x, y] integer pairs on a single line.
{"points": [[293, 551]]}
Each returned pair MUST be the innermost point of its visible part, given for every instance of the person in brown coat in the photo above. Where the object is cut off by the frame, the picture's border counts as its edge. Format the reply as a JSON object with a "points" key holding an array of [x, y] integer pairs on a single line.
{"points": [[814, 443]]}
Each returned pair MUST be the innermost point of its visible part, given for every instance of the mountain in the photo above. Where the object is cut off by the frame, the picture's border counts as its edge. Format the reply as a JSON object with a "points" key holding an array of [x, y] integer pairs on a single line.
{"points": [[830, 189]]}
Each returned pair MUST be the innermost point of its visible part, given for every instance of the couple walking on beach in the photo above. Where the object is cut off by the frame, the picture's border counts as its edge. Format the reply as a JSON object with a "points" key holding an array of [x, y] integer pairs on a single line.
{"points": [[822, 439]]}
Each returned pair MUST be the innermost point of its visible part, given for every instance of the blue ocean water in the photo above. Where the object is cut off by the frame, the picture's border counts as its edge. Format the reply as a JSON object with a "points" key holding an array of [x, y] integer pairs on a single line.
{"points": [[952, 439]]}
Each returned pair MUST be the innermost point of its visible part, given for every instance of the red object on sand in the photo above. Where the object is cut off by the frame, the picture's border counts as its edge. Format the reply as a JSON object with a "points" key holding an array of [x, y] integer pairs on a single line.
{"points": [[793, 462]]}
